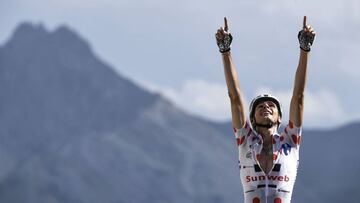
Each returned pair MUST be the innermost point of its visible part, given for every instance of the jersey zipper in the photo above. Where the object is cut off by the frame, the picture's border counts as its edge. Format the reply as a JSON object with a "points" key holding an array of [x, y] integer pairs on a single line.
{"points": [[266, 175]]}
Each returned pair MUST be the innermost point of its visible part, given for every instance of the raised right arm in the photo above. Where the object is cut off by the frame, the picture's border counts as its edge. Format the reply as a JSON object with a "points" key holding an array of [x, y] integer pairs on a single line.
{"points": [[224, 38]]}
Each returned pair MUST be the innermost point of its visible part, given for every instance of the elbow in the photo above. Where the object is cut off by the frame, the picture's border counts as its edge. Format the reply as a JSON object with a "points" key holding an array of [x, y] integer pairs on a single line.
{"points": [[298, 99], [234, 97]]}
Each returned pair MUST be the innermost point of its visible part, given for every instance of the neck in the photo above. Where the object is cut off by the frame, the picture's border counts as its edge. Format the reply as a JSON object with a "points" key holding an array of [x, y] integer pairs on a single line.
{"points": [[266, 132]]}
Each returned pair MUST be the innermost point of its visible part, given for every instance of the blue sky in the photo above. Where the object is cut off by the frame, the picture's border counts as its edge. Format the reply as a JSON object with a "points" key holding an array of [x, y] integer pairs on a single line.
{"points": [[168, 46]]}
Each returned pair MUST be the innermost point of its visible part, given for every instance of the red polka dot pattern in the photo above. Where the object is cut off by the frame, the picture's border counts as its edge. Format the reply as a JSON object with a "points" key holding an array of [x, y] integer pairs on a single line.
{"points": [[298, 139], [282, 138], [256, 200], [277, 200], [294, 138], [291, 125], [240, 140], [274, 156]]}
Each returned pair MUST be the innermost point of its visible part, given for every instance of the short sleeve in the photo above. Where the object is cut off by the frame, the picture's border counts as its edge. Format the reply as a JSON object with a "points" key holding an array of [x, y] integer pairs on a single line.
{"points": [[293, 133], [242, 133]]}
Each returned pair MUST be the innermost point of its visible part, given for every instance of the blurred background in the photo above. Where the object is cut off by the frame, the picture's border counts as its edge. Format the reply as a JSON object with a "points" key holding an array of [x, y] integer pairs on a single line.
{"points": [[125, 101]]}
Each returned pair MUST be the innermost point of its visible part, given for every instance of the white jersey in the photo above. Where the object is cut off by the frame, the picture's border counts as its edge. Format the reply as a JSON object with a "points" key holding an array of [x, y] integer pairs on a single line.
{"points": [[277, 186]]}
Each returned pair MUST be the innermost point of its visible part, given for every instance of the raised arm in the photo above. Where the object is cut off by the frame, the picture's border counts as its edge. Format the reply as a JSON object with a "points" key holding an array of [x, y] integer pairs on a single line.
{"points": [[306, 37], [224, 39]]}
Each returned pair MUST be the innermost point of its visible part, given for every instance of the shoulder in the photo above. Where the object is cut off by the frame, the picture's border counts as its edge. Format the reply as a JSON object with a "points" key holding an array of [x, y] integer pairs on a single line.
{"points": [[241, 134], [293, 132]]}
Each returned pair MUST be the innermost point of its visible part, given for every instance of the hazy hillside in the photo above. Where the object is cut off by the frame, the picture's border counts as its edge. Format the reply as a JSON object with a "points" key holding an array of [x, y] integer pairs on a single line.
{"points": [[72, 130]]}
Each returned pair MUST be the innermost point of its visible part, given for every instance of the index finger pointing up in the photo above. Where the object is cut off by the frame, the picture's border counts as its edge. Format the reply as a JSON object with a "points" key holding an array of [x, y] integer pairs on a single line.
{"points": [[226, 28], [304, 22]]}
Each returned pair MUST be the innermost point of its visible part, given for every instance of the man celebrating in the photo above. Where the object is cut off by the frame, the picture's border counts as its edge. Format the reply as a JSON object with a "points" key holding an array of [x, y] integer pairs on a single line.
{"points": [[268, 160]]}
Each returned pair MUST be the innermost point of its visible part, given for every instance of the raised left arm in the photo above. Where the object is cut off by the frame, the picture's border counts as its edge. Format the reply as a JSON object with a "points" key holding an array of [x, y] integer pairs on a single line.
{"points": [[306, 37]]}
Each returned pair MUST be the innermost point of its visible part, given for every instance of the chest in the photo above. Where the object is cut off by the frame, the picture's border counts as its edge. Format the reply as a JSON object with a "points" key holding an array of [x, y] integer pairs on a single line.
{"points": [[266, 160]]}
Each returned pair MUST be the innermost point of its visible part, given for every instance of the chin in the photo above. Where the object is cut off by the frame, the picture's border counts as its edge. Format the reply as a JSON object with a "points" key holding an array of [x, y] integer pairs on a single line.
{"points": [[267, 121]]}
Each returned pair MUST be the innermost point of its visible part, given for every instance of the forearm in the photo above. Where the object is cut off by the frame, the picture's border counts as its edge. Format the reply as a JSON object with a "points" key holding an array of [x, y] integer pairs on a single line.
{"points": [[301, 72], [297, 101], [231, 76], [237, 101]]}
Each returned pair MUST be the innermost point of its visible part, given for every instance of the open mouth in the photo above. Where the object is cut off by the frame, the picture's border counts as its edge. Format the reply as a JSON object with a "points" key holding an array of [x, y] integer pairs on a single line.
{"points": [[267, 113]]}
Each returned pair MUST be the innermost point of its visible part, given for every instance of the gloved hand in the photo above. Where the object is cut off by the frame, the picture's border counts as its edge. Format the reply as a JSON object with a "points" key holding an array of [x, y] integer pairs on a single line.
{"points": [[223, 38], [306, 36]]}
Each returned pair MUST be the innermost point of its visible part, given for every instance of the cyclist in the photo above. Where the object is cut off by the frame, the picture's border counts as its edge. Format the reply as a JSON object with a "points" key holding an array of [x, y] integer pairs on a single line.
{"points": [[268, 159]]}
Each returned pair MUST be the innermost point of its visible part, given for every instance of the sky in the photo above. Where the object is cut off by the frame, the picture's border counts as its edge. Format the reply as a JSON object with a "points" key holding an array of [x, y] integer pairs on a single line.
{"points": [[168, 46]]}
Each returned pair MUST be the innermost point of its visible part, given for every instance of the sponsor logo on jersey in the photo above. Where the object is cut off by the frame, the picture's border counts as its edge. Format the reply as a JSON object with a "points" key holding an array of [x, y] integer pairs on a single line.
{"points": [[286, 148], [248, 155], [269, 177]]}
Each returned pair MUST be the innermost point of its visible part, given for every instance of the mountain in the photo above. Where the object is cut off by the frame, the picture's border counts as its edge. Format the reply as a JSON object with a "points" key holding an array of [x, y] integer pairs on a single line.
{"points": [[74, 130], [329, 165]]}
